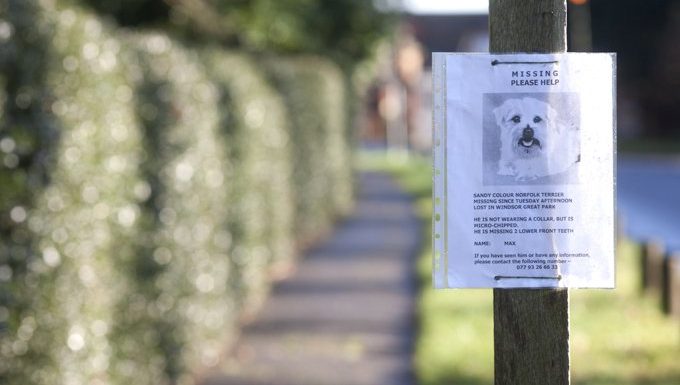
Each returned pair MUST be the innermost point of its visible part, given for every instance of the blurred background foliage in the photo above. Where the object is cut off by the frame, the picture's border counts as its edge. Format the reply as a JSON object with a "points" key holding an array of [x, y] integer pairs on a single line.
{"points": [[345, 30], [160, 163], [313, 88]]}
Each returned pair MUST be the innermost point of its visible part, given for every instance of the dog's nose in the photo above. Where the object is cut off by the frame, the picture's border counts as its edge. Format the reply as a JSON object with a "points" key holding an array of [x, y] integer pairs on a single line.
{"points": [[528, 133]]}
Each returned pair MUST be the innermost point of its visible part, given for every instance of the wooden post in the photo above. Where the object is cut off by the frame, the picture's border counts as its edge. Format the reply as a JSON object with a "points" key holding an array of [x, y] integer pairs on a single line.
{"points": [[531, 327], [674, 285], [653, 255]]}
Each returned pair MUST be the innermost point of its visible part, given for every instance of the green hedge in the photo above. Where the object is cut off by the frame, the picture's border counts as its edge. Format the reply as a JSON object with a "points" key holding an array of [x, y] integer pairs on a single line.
{"points": [[147, 190], [260, 210], [25, 133], [315, 96], [182, 305], [73, 125]]}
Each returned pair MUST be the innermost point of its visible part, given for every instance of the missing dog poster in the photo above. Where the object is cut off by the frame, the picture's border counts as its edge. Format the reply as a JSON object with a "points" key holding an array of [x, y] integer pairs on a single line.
{"points": [[524, 159]]}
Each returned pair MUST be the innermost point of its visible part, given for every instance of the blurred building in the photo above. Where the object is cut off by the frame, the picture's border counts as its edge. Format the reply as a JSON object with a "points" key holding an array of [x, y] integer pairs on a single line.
{"points": [[644, 34], [400, 106]]}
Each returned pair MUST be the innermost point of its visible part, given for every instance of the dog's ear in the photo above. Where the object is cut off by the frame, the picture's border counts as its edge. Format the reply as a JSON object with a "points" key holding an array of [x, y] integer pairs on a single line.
{"points": [[551, 115], [501, 112]]}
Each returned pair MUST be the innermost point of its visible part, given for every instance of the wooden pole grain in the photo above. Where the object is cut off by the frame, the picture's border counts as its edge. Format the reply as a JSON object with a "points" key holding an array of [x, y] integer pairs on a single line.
{"points": [[531, 326]]}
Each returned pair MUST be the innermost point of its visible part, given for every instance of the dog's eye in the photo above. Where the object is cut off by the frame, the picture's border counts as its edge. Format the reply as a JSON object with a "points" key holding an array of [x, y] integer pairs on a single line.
{"points": [[516, 119], [537, 119]]}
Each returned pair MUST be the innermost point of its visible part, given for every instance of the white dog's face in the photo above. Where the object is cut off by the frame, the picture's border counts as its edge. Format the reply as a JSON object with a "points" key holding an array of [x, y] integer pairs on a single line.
{"points": [[533, 143], [525, 126]]}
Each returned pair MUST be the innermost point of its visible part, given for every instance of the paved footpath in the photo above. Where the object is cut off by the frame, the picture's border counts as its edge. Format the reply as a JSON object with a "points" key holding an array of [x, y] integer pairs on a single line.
{"points": [[346, 316]]}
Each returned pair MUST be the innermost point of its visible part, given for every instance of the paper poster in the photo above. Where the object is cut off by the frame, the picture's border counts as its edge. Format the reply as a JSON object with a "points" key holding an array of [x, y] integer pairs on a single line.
{"points": [[524, 159]]}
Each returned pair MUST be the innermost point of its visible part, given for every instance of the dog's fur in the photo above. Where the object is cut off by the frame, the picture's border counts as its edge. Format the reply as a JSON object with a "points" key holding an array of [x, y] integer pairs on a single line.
{"points": [[533, 143]]}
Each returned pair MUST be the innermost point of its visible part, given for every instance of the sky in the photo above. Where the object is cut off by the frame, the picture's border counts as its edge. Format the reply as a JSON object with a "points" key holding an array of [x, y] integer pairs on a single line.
{"points": [[447, 6]]}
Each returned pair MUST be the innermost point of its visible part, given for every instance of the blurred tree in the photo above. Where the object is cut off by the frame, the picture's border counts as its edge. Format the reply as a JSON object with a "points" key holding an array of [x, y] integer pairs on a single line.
{"points": [[345, 30], [133, 12]]}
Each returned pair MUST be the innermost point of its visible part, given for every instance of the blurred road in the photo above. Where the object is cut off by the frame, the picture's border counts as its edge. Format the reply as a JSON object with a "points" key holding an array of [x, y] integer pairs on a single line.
{"points": [[346, 316], [649, 199]]}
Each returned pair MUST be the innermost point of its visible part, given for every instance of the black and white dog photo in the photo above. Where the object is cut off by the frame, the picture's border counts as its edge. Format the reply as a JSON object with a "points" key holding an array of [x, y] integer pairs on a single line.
{"points": [[534, 140]]}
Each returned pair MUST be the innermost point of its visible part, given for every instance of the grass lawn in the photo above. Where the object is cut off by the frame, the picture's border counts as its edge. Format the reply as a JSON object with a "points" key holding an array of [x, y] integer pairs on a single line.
{"points": [[617, 336]]}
